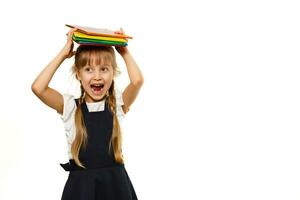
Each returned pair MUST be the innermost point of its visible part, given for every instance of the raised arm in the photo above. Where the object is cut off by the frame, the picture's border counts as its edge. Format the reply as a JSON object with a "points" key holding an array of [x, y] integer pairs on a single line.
{"points": [[135, 75], [40, 88]]}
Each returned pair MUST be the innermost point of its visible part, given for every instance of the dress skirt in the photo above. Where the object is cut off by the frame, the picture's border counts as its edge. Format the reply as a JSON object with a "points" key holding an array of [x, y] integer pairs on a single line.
{"points": [[105, 183]]}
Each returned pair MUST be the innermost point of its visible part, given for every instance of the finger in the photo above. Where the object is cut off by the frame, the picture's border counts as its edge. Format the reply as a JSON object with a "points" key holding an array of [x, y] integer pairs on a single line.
{"points": [[70, 36], [121, 31], [71, 32]]}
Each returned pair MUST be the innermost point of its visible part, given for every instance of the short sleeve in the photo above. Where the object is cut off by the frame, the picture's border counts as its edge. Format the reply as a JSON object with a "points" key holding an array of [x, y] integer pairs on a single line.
{"points": [[69, 106], [69, 109], [67, 117], [119, 103]]}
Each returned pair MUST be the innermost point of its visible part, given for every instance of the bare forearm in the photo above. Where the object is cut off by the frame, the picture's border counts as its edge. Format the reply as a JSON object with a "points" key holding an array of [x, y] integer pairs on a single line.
{"points": [[134, 73], [43, 79]]}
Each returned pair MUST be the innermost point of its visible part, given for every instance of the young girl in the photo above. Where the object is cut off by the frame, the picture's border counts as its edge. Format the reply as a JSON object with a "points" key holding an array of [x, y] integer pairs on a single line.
{"points": [[92, 122]]}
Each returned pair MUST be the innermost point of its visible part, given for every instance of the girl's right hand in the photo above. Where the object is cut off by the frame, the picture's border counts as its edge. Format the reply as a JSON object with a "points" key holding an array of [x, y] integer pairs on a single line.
{"points": [[67, 51]]}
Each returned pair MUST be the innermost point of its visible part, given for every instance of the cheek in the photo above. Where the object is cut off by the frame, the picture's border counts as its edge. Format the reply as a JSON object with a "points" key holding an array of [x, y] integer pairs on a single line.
{"points": [[85, 80], [108, 77]]}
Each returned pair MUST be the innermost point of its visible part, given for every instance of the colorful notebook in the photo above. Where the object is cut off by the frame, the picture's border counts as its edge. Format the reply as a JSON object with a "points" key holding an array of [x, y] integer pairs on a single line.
{"points": [[99, 32], [96, 36], [82, 35]]}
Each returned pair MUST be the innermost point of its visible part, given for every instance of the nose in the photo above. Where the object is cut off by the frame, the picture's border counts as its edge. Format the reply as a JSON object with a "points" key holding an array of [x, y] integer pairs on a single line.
{"points": [[97, 75]]}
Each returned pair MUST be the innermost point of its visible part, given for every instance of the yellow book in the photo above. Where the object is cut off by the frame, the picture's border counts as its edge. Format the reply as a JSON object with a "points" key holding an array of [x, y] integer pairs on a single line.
{"points": [[82, 35]]}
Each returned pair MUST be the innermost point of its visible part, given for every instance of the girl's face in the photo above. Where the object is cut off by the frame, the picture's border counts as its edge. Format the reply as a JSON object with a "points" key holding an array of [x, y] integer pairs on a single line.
{"points": [[96, 81]]}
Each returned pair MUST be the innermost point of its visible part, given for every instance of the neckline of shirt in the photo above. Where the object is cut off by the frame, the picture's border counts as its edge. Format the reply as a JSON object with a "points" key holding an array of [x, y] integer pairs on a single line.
{"points": [[96, 106]]}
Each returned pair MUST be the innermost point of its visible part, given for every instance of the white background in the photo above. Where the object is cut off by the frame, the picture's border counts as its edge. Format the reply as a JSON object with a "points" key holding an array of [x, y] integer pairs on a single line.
{"points": [[218, 115]]}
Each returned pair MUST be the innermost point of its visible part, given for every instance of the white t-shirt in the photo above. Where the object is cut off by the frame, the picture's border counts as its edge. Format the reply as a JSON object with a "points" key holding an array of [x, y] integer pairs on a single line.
{"points": [[68, 115]]}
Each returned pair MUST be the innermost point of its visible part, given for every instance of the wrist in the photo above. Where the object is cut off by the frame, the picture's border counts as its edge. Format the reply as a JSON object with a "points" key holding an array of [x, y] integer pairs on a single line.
{"points": [[125, 54]]}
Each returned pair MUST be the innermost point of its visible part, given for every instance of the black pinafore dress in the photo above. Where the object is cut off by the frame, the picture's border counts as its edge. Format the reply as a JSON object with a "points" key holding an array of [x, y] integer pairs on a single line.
{"points": [[103, 178]]}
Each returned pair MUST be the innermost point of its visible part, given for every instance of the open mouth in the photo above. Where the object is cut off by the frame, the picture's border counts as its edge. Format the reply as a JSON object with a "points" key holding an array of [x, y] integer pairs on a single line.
{"points": [[97, 87]]}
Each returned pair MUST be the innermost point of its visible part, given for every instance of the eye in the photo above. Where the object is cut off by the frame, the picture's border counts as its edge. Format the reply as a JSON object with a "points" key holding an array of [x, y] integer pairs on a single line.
{"points": [[88, 69], [104, 69]]}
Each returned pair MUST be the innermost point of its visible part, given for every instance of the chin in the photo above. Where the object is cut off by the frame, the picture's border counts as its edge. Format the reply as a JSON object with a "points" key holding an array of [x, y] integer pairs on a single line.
{"points": [[98, 98], [95, 98]]}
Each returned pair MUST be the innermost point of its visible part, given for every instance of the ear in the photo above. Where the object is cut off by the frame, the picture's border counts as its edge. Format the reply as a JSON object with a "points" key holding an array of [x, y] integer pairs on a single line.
{"points": [[77, 76]]}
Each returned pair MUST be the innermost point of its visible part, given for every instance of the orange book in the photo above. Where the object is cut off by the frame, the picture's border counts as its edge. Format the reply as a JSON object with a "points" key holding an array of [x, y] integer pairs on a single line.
{"points": [[99, 31]]}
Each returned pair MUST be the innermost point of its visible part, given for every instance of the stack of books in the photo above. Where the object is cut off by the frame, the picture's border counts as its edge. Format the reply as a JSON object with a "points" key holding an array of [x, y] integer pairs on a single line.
{"points": [[98, 36]]}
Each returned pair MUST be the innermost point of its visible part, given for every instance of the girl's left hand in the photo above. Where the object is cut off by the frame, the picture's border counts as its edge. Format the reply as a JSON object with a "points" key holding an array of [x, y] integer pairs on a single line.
{"points": [[122, 50]]}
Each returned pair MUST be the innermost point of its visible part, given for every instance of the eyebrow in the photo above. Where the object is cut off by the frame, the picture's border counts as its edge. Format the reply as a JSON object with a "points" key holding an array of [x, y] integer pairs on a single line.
{"points": [[99, 66], [105, 65]]}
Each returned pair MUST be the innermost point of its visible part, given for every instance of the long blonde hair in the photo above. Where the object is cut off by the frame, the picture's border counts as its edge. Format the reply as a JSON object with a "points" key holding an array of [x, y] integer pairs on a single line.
{"points": [[96, 55]]}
